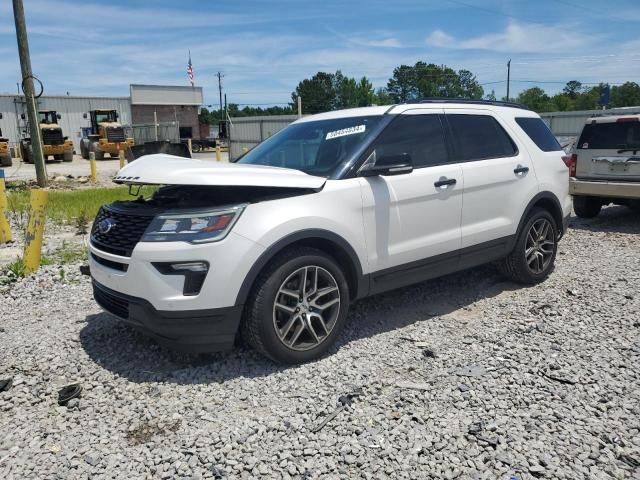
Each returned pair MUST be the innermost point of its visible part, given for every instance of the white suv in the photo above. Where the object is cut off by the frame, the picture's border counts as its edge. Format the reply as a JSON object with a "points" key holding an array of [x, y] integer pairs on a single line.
{"points": [[333, 208]]}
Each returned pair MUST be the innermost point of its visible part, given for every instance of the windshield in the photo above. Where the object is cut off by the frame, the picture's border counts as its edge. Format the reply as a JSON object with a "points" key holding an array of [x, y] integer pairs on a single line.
{"points": [[618, 135], [47, 117], [106, 117], [315, 147]]}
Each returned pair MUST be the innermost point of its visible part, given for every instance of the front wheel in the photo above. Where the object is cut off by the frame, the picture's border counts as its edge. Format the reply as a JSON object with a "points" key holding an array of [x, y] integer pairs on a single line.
{"points": [[534, 254], [299, 306]]}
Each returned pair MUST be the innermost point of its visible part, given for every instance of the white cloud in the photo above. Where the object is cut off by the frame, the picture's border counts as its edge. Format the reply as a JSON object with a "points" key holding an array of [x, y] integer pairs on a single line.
{"points": [[386, 43], [519, 38], [438, 38]]}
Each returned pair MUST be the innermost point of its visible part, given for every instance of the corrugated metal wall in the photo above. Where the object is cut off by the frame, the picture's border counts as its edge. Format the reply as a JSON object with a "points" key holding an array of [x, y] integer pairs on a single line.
{"points": [[247, 132], [569, 124], [71, 109]]}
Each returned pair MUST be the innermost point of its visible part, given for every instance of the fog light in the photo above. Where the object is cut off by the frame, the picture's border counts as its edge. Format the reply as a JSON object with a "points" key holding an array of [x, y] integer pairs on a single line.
{"points": [[194, 274]]}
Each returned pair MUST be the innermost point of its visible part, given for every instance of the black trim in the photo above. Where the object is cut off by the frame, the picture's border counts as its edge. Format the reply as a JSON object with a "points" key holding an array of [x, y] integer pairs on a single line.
{"points": [[557, 215], [471, 101], [362, 285], [439, 265], [122, 267], [210, 330]]}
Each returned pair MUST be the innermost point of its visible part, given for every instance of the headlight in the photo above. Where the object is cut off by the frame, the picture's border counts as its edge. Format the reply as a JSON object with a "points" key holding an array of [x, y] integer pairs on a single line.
{"points": [[194, 227]]}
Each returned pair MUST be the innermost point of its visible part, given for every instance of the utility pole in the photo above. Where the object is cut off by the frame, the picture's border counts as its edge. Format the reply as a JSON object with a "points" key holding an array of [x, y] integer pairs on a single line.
{"points": [[226, 117], [27, 87], [220, 92], [508, 77]]}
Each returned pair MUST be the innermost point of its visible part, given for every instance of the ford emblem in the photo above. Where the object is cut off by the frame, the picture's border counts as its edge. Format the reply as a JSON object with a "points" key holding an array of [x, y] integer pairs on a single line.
{"points": [[106, 225]]}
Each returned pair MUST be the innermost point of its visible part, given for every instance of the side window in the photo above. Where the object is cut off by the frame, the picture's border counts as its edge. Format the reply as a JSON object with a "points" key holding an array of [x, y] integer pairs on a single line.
{"points": [[477, 137], [420, 136], [538, 131]]}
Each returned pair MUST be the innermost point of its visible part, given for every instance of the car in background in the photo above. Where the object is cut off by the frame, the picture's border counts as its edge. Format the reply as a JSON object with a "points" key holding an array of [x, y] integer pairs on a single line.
{"points": [[605, 164]]}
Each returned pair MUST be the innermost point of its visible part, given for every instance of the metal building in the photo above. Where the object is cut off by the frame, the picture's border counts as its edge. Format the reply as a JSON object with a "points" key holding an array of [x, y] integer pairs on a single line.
{"points": [[71, 108], [246, 132]]}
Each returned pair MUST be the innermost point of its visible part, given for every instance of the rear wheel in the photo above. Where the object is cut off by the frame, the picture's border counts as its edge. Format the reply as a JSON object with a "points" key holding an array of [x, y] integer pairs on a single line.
{"points": [[533, 257], [586, 207], [299, 306], [99, 153], [67, 156], [6, 161], [634, 205]]}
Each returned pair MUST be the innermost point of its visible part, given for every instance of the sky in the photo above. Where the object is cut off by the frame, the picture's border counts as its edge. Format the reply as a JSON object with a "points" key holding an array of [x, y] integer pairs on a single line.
{"points": [[265, 47]]}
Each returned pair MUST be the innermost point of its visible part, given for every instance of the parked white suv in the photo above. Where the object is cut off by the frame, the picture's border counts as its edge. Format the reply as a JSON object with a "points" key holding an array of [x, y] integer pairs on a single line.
{"points": [[605, 164], [335, 207]]}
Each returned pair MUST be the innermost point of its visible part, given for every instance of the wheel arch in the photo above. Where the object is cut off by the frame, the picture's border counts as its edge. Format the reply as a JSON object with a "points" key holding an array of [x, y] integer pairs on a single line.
{"points": [[330, 243], [547, 201]]}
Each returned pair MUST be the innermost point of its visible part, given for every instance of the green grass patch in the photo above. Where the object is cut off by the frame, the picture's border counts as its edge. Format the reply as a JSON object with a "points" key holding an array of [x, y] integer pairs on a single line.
{"points": [[66, 206]]}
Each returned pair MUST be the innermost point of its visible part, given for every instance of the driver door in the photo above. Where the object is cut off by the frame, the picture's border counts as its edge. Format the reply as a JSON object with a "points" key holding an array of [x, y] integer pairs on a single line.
{"points": [[412, 220]]}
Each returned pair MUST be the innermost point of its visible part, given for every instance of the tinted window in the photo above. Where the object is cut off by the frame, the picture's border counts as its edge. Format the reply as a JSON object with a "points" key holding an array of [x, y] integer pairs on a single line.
{"points": [[420, 136], [315, 147], [610, 135], [479, 136], [538, 131]]}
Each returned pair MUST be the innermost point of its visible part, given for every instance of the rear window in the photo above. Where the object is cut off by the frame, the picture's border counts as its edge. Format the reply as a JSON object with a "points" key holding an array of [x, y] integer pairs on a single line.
{"points": [[611, 136], [538, 131], [477, 137]]}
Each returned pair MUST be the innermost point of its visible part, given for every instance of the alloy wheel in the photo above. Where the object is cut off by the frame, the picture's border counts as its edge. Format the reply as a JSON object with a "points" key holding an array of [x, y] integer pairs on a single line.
{"points": [[540, 245], [306, 308]]}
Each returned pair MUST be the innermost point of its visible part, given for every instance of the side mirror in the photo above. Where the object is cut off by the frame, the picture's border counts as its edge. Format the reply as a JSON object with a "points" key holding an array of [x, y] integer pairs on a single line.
{"points": [[58, 116], [386, 165], [22, 116], [84, 115]]}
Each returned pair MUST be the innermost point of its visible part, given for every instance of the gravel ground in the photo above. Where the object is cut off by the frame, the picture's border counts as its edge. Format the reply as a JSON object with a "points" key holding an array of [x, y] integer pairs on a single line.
{"points": [[463, 377]]}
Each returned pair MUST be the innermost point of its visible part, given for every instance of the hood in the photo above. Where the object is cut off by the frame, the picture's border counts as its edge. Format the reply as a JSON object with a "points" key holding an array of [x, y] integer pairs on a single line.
{"points": [[162, 169]]}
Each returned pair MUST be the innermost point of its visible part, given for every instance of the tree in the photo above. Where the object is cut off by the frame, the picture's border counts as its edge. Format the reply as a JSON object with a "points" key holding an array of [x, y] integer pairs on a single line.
{"points": [[536, 99], [318, 93], [410, 83], [366, 93], [491, 96], [572, 88], [382, 97], [625, 95]]}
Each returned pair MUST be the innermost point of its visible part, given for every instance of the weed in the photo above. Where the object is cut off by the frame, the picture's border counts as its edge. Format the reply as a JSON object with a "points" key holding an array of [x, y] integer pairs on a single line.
{"points": [[82, 223], [70, 253], [14, 271], [149, 429]]}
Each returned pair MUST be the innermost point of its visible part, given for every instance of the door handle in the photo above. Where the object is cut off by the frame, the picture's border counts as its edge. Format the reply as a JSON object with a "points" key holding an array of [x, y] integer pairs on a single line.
{"points": [[444, 182], [520, 169]]}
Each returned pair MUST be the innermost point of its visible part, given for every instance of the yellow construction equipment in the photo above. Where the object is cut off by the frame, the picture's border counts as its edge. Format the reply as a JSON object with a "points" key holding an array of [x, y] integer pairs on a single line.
{"points": [[54, 143], [107, 136], [5, 153]]}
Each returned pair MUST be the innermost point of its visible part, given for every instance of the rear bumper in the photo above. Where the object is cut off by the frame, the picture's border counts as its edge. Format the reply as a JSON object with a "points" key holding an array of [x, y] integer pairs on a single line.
{"points": [[195, 331], [604, 189]]}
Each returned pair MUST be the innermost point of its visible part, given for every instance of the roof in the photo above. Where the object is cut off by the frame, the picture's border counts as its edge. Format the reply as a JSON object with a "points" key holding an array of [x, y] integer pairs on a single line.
{"points": [[613, 118], [506, 108]]}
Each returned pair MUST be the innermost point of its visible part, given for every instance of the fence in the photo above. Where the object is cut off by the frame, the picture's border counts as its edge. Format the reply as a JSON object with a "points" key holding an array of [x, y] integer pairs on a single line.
{"points": [[148, 132], [246, 132]]}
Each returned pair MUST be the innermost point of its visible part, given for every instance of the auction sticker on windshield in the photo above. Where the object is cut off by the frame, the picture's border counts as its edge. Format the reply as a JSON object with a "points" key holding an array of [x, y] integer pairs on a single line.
{"points": [[346, 131]]}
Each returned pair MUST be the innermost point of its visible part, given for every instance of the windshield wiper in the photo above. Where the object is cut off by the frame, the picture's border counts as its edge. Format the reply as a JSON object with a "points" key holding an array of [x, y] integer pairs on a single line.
{"points": [[628, 148]]}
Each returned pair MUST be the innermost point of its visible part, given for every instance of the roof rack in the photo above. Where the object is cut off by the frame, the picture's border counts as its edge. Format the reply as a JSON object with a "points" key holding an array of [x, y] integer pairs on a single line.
{"points": [[471, 101]]}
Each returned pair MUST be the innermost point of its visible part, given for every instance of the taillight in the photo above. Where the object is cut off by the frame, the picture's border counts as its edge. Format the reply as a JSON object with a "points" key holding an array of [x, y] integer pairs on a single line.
{"points": [[570, 161], [627, 119]]}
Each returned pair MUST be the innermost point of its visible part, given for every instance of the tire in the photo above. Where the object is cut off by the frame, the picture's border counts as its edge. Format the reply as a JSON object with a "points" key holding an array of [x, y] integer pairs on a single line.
{"points": [[67, 156], [6, 161], [586, 207], [527, 266], [84, 152], [30, 153], [282, 334], [634, 205], [99, 153]]}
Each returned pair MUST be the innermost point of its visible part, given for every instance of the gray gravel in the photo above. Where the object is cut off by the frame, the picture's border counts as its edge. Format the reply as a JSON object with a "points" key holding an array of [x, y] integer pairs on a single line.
{"points": [[463, 377]]}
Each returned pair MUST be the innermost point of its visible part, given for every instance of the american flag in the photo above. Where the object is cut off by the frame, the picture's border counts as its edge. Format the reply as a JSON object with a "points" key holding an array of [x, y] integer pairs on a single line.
{"points": [[190, 69]]}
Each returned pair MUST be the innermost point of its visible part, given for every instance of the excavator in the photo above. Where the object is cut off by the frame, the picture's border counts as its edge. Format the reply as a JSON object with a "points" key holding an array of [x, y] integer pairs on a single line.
{"points": [[107, 136]]}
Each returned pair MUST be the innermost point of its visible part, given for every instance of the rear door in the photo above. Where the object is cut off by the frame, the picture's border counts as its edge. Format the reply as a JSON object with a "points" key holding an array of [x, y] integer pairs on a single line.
{"points": [[499, 179], [412, 221], [609, 149]]}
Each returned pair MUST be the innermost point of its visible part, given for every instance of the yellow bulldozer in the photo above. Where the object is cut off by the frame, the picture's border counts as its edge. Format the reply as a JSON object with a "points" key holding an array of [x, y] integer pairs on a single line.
{"points": [[107, 136], [54, 143]]}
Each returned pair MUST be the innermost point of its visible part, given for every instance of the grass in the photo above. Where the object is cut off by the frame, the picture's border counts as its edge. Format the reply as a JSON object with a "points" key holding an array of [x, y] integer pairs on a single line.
{"points": [[66, 206]]}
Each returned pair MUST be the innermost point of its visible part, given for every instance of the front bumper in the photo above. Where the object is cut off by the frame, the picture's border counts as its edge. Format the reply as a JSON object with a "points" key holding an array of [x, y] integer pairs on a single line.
{"points": [[605, 189], [195, 331]]}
